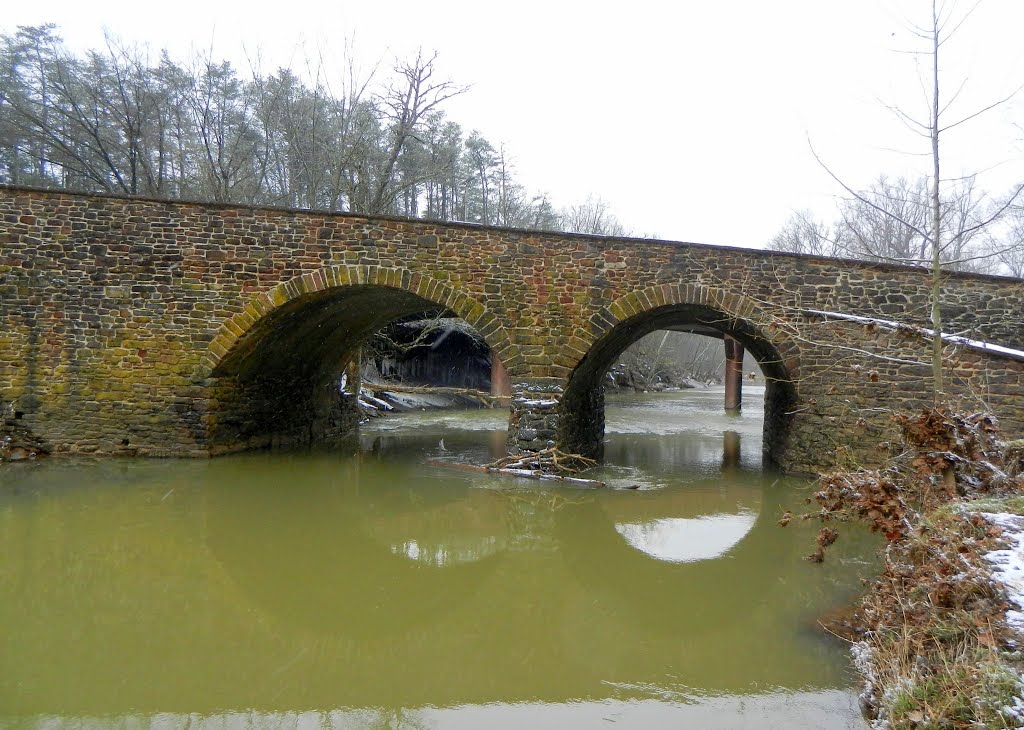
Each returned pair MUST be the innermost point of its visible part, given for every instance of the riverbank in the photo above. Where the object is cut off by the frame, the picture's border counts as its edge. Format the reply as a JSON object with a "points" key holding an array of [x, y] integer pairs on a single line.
{"points": [[938, 635]]}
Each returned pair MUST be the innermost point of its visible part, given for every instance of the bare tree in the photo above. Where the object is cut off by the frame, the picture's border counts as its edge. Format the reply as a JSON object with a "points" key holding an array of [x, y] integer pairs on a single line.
{"points": [[592, 216], [886, 222], [233, 152], [1005, 246], [953, 216], [883, 222], [406, 105], [803, 233], [113, 120]]}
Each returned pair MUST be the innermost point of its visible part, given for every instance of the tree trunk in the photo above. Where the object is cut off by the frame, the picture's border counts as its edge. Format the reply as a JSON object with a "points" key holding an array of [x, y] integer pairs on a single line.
{"points": [[936, 223]]}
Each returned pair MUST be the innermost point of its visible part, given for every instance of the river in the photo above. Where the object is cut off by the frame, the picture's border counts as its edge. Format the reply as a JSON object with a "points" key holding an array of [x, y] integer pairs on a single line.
{"points": [[371, 591]]}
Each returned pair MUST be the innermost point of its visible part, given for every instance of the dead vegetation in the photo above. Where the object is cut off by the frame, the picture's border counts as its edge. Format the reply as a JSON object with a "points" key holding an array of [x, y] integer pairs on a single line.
{"points": [[546, 461], [549, 464], [930, 635]]}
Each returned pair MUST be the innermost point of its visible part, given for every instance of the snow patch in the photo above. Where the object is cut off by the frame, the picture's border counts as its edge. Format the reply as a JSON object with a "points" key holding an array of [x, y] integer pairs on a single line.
{"points": [[863, 659], [1009, 563], [955, 339], [372, 403]]}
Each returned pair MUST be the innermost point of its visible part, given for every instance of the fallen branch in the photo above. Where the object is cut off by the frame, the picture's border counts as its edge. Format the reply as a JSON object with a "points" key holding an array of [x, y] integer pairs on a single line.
{"points": [[512, 472], [546, 461]]}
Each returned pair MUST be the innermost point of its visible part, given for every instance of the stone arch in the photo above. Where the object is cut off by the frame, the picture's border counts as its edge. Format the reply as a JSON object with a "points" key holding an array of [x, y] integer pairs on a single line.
{"points": [[273, 367], [631, 316], [263, 304], [734, 307]]}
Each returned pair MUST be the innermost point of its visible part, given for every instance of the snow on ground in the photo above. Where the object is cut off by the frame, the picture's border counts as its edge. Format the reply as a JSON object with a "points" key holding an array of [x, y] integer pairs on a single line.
{"points": [[1008, 569], [1009, 563]]}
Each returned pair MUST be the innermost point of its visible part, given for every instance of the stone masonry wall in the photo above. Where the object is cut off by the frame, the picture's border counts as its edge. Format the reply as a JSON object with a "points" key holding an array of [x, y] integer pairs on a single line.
{"points": [[133, 326]]}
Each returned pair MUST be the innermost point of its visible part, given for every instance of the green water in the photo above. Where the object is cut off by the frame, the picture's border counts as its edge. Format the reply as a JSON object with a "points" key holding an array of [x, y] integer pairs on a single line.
{"points": [[319, 590]]}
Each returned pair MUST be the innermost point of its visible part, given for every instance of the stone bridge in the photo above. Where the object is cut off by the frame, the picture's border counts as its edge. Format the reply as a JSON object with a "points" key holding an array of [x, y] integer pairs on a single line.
{"points": [[143, 327]]}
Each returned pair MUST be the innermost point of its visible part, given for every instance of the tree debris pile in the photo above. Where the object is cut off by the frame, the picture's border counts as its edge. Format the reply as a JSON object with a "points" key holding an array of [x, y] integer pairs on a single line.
{"points": [[964, 450], [931, 634], [546, 461]]}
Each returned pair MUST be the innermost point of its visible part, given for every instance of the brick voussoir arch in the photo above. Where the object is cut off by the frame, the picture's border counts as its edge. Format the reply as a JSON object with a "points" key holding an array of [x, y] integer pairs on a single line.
{"points": [[733, 305], [264, 303]]}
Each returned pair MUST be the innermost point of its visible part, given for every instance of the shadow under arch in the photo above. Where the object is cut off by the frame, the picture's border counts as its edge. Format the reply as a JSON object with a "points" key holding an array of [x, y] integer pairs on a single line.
{"points": [[275, 365], [687, 308]]}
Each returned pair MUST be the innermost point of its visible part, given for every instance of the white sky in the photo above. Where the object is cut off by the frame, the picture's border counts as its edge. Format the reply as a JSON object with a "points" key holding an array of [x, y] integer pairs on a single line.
{"points": [[690, 118]]}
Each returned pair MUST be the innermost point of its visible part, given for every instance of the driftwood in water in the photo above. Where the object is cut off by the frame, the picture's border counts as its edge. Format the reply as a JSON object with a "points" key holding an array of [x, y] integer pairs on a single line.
{"points": [[526, 473], [547, 461]]}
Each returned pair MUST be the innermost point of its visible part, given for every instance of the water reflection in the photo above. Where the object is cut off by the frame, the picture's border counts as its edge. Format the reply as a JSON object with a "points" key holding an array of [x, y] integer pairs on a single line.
{"points": [[685, 540], [465, 530], [730, 452], [331, 559], [399, 595], [439, 556]]}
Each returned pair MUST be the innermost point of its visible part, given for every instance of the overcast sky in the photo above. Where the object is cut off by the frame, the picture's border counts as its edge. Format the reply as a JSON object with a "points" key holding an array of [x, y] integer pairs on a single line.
{"points": [[691, 119]]}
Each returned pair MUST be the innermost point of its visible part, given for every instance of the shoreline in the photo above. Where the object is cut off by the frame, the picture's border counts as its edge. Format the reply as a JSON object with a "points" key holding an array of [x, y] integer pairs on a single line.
{"points": [[937, 638]]}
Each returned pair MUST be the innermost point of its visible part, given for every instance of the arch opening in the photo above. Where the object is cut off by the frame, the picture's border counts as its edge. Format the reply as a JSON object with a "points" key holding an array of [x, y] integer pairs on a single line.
{"points": [[291, 379], [430, 349], [582, 420]]}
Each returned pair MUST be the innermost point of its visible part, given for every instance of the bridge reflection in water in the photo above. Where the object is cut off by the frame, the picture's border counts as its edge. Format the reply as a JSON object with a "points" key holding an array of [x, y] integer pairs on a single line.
{"points": [[263, 590]]}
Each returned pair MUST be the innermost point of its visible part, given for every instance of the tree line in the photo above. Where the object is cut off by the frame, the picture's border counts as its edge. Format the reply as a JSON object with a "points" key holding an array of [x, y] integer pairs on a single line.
{"points": [[116, 120], [890, 221], [119, 120]]}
